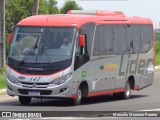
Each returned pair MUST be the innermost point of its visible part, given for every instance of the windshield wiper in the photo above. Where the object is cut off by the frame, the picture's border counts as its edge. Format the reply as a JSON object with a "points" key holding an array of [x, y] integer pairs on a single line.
{"points": [[44, 50], [32, 50]]}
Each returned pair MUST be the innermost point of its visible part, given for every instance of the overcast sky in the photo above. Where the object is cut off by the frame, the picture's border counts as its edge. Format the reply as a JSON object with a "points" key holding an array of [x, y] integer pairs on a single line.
{"points": [[143, 8]]}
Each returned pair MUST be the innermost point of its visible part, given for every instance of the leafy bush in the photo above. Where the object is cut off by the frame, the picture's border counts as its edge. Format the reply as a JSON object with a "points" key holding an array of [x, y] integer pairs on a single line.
{"points": [[157, 46], [157, 50]]}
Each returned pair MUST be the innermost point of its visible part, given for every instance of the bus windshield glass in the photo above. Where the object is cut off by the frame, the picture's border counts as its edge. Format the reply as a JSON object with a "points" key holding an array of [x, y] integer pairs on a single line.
{"points": [[42, 44]]}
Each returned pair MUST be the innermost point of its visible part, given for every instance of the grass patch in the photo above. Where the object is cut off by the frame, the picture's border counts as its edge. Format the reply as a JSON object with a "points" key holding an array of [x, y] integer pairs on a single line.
{"points": [[2, 78], [158, 59]]}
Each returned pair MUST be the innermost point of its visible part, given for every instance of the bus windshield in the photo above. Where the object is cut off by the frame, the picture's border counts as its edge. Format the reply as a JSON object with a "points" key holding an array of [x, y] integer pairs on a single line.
{"points": [[42, 44]]}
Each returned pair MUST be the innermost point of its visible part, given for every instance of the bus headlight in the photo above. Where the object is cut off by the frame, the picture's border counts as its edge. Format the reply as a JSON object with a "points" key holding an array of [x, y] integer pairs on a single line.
{"points": [[61, 80], [12, 78]]}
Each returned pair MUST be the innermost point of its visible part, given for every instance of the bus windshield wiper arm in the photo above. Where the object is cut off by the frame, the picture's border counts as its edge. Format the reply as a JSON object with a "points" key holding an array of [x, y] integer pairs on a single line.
{"points": [[30, 51], [44, 49]]}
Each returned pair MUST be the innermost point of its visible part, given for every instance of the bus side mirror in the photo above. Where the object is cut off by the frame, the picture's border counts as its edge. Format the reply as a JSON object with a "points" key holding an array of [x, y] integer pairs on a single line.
{"points": [[82, 40], [10, 37]]}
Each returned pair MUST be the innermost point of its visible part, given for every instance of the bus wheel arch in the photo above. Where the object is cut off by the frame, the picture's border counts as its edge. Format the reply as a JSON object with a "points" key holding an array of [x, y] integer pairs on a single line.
{"points": [[84, 87], [130, 83], [131, 80]]}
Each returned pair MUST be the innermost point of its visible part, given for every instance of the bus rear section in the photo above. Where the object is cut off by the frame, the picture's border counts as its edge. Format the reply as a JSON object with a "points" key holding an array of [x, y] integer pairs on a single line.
{"points": [[77, 56]]}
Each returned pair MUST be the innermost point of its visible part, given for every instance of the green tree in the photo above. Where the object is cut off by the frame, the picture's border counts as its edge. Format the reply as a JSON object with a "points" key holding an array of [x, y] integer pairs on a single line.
{"points": [[157, 35], [17, 10], [70, 5], [157, 47], [48, 7]]}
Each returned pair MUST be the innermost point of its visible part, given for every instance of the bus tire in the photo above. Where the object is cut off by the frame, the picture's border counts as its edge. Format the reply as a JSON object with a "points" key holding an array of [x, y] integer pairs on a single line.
{"points": [[24, 100], [78, 99], [127, 93]]}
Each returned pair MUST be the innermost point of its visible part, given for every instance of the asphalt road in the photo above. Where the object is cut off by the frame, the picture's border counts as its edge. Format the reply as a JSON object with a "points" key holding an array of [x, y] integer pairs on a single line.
{"points": [[146, 99]]}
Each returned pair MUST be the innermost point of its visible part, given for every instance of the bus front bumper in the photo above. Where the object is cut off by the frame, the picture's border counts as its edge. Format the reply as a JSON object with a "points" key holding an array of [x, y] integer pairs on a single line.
{"points": [[55, 91]]}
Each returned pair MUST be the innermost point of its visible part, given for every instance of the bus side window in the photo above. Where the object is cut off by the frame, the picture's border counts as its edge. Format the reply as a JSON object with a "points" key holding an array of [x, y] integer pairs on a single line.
{"points": [[104, 41], [120, 41], [146, 38], [134, 39], [81, 56]]}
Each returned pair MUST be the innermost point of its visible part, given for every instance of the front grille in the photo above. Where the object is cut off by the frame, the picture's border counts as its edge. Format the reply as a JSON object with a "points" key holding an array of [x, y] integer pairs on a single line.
{"points": [[25, 83], [42, 92], [38, 85]]}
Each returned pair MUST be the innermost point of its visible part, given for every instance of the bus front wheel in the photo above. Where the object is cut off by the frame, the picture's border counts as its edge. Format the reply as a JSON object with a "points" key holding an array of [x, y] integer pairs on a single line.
{"points": [[78, 99], [24, 100]]}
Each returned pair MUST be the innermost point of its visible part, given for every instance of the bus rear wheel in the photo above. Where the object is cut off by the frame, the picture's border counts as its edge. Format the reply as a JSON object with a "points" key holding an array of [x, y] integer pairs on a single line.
{"points": [[24, 100], [127, 93]]}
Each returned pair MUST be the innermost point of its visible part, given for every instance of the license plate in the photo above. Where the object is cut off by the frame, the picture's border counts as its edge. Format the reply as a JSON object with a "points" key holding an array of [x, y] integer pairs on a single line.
{"points": [[34, 93]]}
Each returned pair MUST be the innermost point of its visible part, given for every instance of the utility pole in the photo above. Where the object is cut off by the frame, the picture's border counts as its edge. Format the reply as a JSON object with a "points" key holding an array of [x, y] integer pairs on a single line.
{"points": [[35, 7], [2, 34]]}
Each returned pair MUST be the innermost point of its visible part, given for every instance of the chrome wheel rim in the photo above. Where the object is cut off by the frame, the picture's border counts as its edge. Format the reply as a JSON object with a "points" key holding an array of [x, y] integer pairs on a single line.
{"points": [[128, 90], [79, 95]]}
